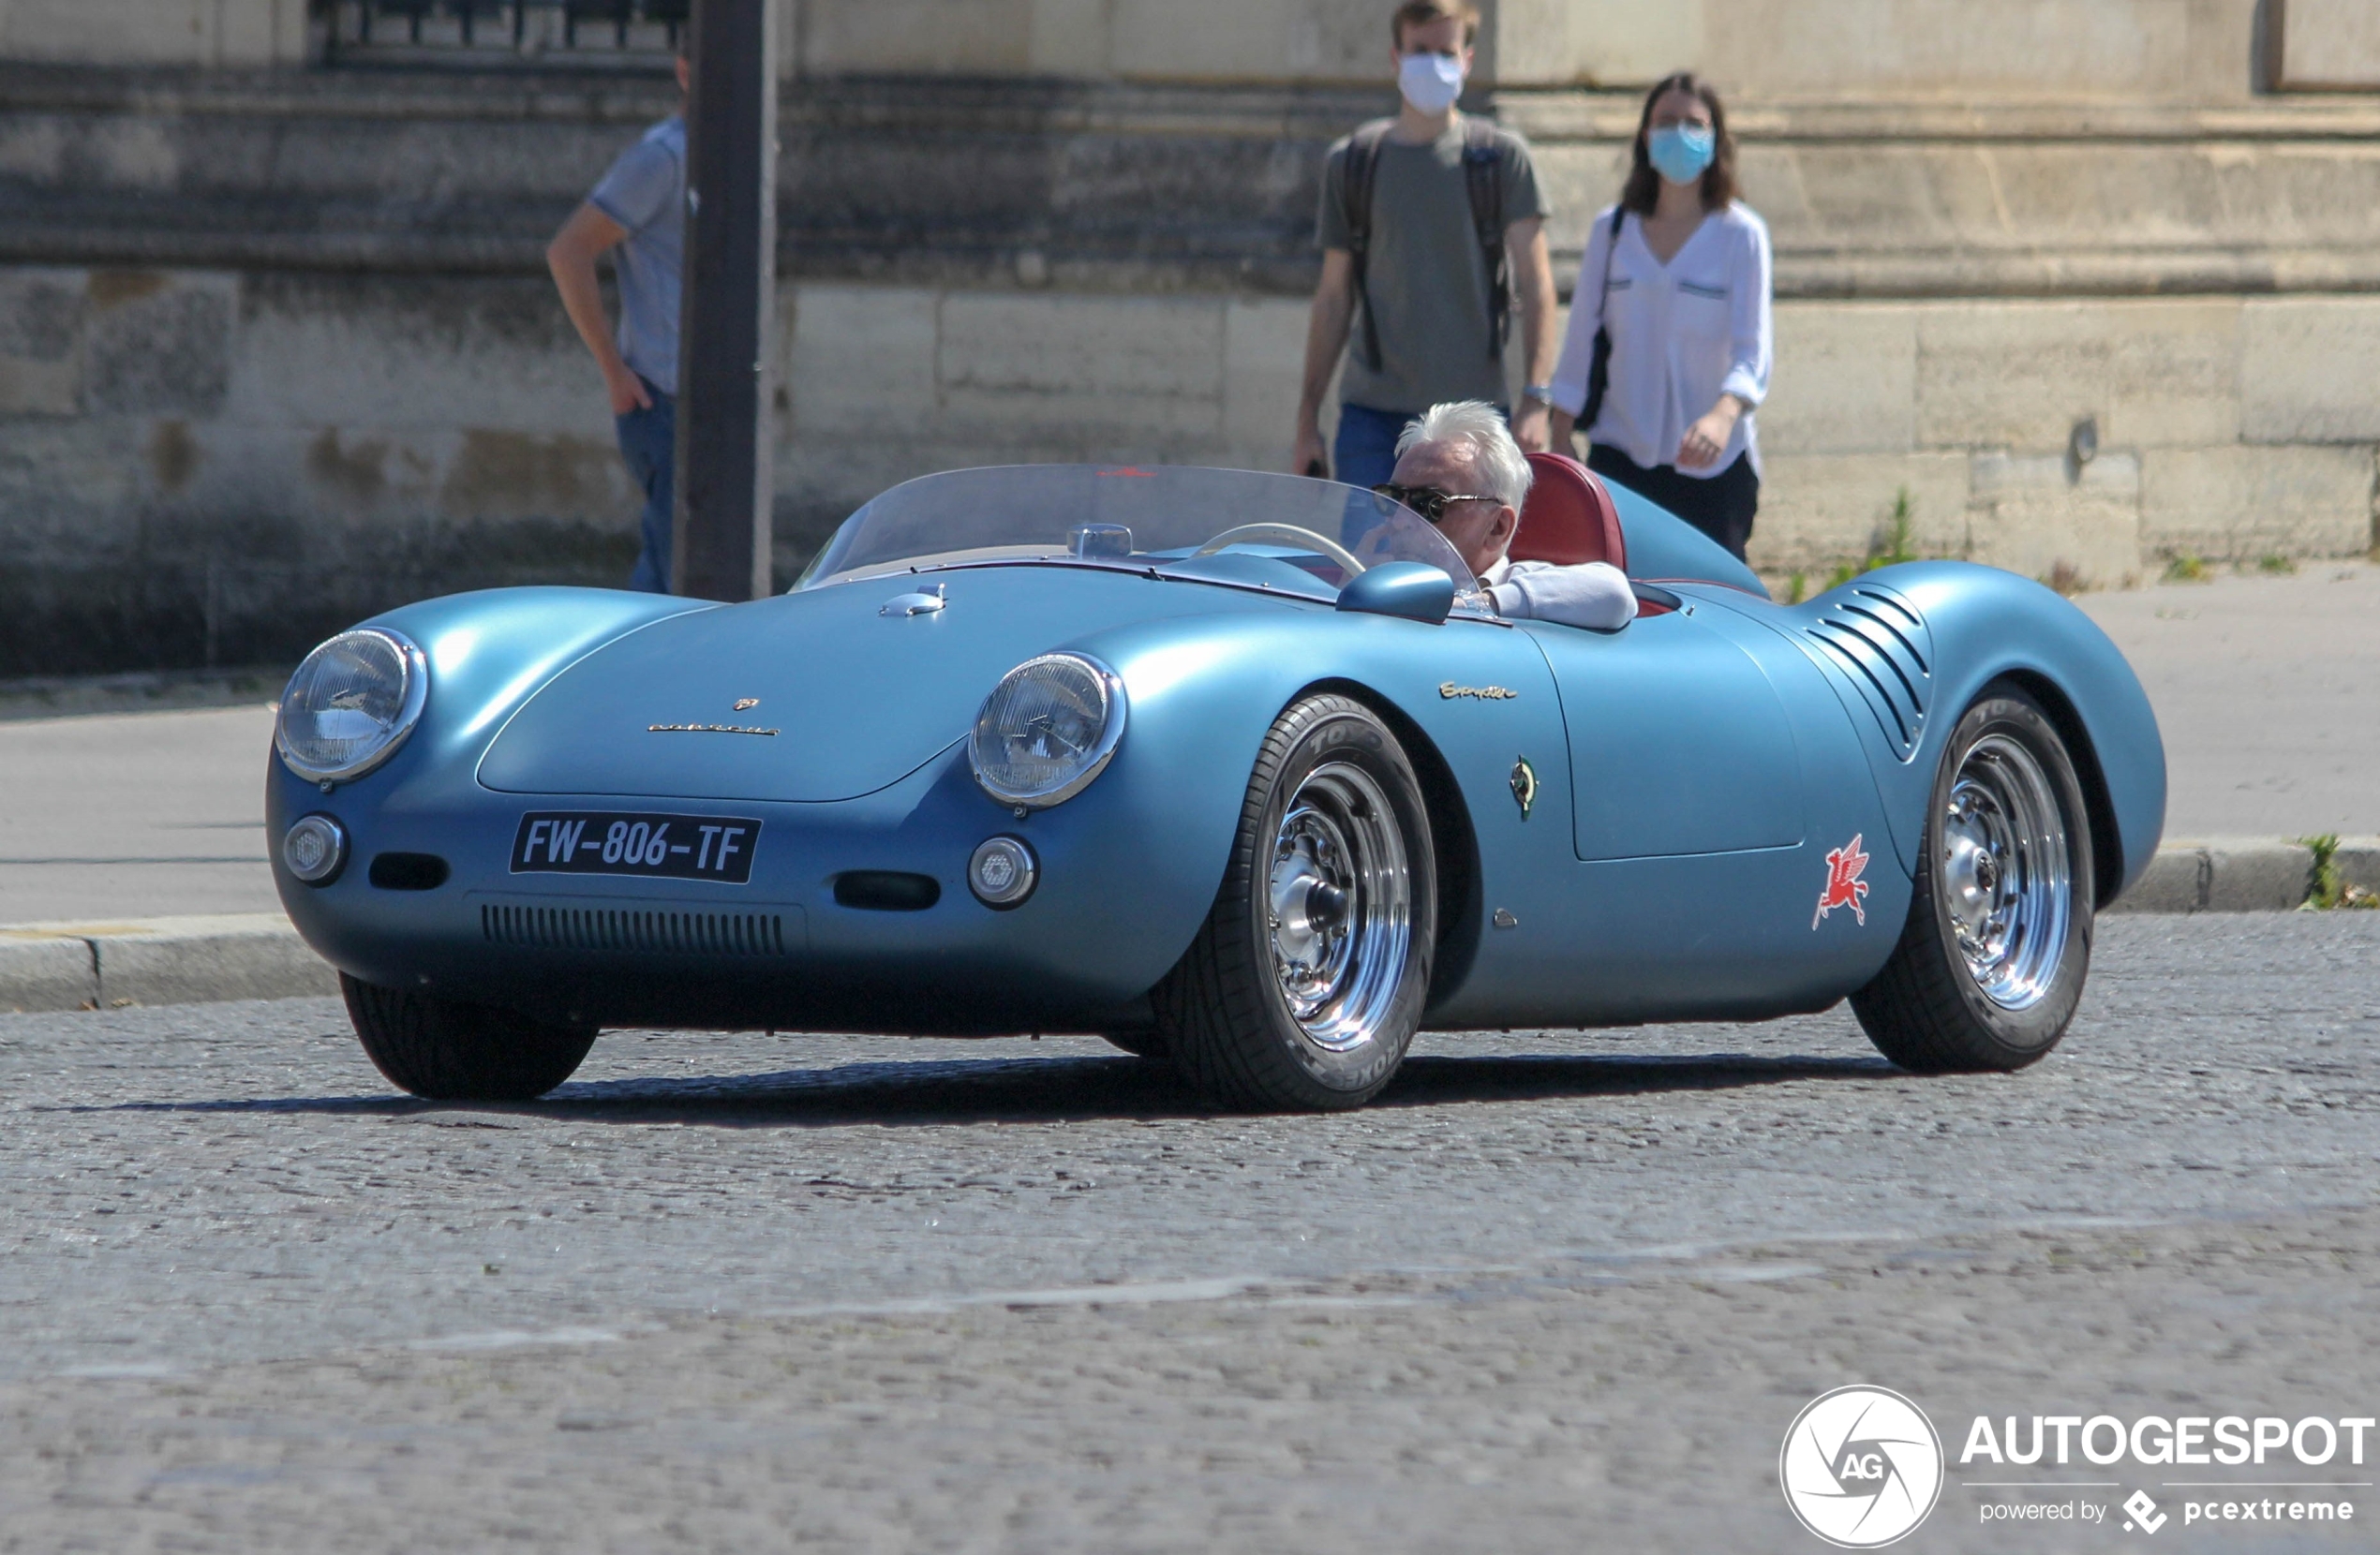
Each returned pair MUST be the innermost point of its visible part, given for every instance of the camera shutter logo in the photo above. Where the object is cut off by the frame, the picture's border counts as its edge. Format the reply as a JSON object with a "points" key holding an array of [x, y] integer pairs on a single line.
{"points": [[1860, 1467]]}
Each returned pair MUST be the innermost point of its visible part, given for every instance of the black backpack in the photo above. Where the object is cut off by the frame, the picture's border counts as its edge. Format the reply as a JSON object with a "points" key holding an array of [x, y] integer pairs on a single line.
{"points": [[1482, 144]]}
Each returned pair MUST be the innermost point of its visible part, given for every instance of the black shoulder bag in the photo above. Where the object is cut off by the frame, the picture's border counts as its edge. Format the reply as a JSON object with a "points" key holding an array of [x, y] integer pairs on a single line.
{"points": [[1599, 371]]}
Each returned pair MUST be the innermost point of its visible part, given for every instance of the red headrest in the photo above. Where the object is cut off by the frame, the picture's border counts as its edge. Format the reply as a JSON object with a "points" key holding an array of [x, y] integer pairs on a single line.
{"points": [[1569, 518]]}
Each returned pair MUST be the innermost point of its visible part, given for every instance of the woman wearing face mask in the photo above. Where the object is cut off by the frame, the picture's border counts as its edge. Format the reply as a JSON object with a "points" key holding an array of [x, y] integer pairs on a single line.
{"points": [[1670, 340]]}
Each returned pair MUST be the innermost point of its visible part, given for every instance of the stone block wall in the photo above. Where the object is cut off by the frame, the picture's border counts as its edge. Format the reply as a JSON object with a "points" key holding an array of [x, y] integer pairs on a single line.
{"points": [[887, 382], [155, 31], [2213, 437], [276, 348], [2225, 428], [2197, 51], [211, 466]]}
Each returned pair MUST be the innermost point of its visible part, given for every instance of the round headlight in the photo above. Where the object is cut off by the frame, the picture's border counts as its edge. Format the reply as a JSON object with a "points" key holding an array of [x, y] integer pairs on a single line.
{"points": [[350, 704], [1047, 730]]}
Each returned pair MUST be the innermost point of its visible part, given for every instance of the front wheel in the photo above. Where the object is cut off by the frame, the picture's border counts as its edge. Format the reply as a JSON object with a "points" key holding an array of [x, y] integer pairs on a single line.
{"points": [[447, 1051], [1991, 962], [1305, 986]]}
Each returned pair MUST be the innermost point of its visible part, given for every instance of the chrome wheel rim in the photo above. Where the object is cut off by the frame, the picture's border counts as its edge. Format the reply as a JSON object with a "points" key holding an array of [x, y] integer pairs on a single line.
{"points": [[1339, 899], [2007, 872]]}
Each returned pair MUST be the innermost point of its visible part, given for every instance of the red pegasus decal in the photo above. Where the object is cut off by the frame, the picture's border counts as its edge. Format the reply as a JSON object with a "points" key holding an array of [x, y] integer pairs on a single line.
{"points": [[1844, 888]]}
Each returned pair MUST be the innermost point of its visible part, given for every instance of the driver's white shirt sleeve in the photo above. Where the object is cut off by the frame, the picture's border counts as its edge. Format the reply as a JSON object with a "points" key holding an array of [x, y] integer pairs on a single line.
{"points": [[1594, 594]]}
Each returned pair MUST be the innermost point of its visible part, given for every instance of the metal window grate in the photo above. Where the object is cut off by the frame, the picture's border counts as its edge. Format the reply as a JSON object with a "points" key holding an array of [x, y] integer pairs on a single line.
{"points": [[504, 33], [1885, 646], [657, 931]]}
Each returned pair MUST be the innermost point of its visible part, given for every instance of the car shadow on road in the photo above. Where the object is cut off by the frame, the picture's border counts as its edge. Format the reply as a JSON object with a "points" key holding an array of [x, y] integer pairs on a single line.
{"points": [[1055, 1090]]}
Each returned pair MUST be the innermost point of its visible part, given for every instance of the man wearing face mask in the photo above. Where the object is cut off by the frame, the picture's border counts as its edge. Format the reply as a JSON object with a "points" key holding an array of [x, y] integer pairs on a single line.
{"points": [[1433, 235]]}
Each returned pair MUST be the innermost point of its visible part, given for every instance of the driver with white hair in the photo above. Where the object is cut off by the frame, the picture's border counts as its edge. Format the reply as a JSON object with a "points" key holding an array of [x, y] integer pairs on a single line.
{"points": [[1459, 467]]}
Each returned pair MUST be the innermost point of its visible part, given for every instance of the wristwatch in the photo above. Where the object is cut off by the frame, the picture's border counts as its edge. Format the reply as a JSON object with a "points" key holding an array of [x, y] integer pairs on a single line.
{"points": [[1541, 392]]}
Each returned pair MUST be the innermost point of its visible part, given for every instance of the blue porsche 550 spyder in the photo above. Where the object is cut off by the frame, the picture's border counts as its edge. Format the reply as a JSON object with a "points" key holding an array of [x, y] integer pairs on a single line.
{"points": [[1236, 770]]}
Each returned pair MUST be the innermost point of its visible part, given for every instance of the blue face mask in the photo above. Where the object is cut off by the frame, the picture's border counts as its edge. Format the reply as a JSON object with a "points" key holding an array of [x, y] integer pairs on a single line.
{"points": [[1681, 153]]}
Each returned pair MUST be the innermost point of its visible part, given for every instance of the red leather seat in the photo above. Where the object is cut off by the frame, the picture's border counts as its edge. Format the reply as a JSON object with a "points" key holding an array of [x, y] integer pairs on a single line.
{"points": [[1569, 518]]}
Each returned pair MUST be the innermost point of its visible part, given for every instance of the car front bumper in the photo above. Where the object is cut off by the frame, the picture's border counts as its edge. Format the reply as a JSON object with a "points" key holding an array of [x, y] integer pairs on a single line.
{"points": [[1119, 897]]}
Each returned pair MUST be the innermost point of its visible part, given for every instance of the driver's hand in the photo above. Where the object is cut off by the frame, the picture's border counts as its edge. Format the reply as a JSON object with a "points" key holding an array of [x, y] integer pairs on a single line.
{"points": [[1375, 545]]}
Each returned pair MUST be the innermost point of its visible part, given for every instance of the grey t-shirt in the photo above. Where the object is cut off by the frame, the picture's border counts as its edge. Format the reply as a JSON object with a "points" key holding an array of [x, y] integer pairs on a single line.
{"points": [[646, 193], [1425, 278]]}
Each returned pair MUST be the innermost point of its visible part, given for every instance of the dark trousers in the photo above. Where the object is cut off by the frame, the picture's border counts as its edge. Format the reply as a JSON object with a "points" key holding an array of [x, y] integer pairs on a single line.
{"points": [[648, 443], [1722, 507]]}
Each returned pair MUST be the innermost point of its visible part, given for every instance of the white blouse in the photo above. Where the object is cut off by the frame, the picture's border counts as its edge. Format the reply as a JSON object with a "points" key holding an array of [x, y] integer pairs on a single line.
{"points": [[1683, 333]]}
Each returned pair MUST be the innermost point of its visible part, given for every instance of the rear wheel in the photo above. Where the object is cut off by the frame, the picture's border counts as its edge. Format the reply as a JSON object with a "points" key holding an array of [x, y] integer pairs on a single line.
{"points": [[1305, 986], [448, 1051], [1991, 962]]}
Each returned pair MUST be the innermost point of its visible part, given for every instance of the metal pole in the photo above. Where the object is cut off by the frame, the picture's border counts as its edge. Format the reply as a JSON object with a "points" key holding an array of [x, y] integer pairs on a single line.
{"points": [[725, 451]]}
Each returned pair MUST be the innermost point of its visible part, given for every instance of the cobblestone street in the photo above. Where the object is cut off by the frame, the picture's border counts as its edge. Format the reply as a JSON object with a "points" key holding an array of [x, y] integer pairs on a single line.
{"points": [[1556, 1291]]}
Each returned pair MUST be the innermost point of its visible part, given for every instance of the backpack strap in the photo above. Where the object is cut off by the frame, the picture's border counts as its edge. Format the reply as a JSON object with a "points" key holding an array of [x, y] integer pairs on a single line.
{"points": [[1358, 176], [1483, 181]]}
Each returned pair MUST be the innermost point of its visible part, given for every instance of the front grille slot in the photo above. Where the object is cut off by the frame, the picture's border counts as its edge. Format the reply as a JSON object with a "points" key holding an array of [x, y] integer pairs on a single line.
{"points": [[639, 931]]}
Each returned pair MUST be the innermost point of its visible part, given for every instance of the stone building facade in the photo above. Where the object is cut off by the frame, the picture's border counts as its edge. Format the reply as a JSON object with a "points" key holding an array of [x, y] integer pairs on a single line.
{"points": [[2096, 281]]}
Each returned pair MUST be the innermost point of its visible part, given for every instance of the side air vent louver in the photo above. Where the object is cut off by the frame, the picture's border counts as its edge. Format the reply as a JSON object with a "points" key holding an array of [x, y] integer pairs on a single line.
{"points": [[1884, 645], [636, 931]]}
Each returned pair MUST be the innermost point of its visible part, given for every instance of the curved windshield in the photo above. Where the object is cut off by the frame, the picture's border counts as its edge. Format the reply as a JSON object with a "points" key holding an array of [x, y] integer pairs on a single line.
{"points": [[1220, 525]]}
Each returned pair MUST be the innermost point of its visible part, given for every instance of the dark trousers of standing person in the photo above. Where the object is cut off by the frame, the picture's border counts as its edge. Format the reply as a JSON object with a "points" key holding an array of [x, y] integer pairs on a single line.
{"points": [[648, 443], [1721, 506]]}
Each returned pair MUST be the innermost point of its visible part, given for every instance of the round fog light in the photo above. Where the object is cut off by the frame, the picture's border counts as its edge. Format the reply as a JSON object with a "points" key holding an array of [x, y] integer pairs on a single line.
{"points": [[315, 850], [1002, 872]]}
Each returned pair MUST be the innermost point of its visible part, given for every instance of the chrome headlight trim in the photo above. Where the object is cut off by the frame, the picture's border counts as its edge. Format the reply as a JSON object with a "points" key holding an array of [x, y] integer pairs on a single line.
{"points": [[413, 699], [1095, 759]]}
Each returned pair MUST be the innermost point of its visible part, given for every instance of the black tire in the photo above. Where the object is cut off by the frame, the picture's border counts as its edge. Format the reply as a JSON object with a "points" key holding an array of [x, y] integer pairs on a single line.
{"points": [[445, 1051], [1225, 1009], [1143, 1044], [1937, 1008]]}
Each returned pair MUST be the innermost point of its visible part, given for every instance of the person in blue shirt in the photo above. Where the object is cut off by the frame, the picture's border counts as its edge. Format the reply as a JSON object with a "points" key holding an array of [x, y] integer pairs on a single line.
{"points": [[637, 215]]}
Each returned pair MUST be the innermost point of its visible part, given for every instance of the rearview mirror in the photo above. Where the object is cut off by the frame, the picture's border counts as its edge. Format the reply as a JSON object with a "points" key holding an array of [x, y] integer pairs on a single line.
{"points": [[1413, 589]]}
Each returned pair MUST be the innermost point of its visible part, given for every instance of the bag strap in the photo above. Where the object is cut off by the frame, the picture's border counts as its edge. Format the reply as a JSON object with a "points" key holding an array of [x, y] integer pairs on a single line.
{"points": [[1357, 175], [1483, 181], [1603, 298], [1598, 372]]}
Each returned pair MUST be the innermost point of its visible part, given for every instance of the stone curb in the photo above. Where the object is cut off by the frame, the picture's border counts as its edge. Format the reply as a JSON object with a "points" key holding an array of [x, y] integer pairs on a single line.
{"points": [[100, 966], [2243, 874]]}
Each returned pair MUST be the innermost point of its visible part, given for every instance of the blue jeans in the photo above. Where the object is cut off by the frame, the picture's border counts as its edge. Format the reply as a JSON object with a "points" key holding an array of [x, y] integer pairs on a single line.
{"points": [[649, 442], [1364, 452]]}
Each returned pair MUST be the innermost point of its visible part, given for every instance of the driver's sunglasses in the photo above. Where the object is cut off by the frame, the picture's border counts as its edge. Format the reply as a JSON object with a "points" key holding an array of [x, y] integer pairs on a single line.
{"points": [[1430, 502]]}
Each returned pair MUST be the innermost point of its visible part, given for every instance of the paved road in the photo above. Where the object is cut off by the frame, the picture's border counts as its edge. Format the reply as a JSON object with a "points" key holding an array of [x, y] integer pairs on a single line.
{"points": [[1558, 1292], [135, 815], [2267, 691], [2266, 686]]}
